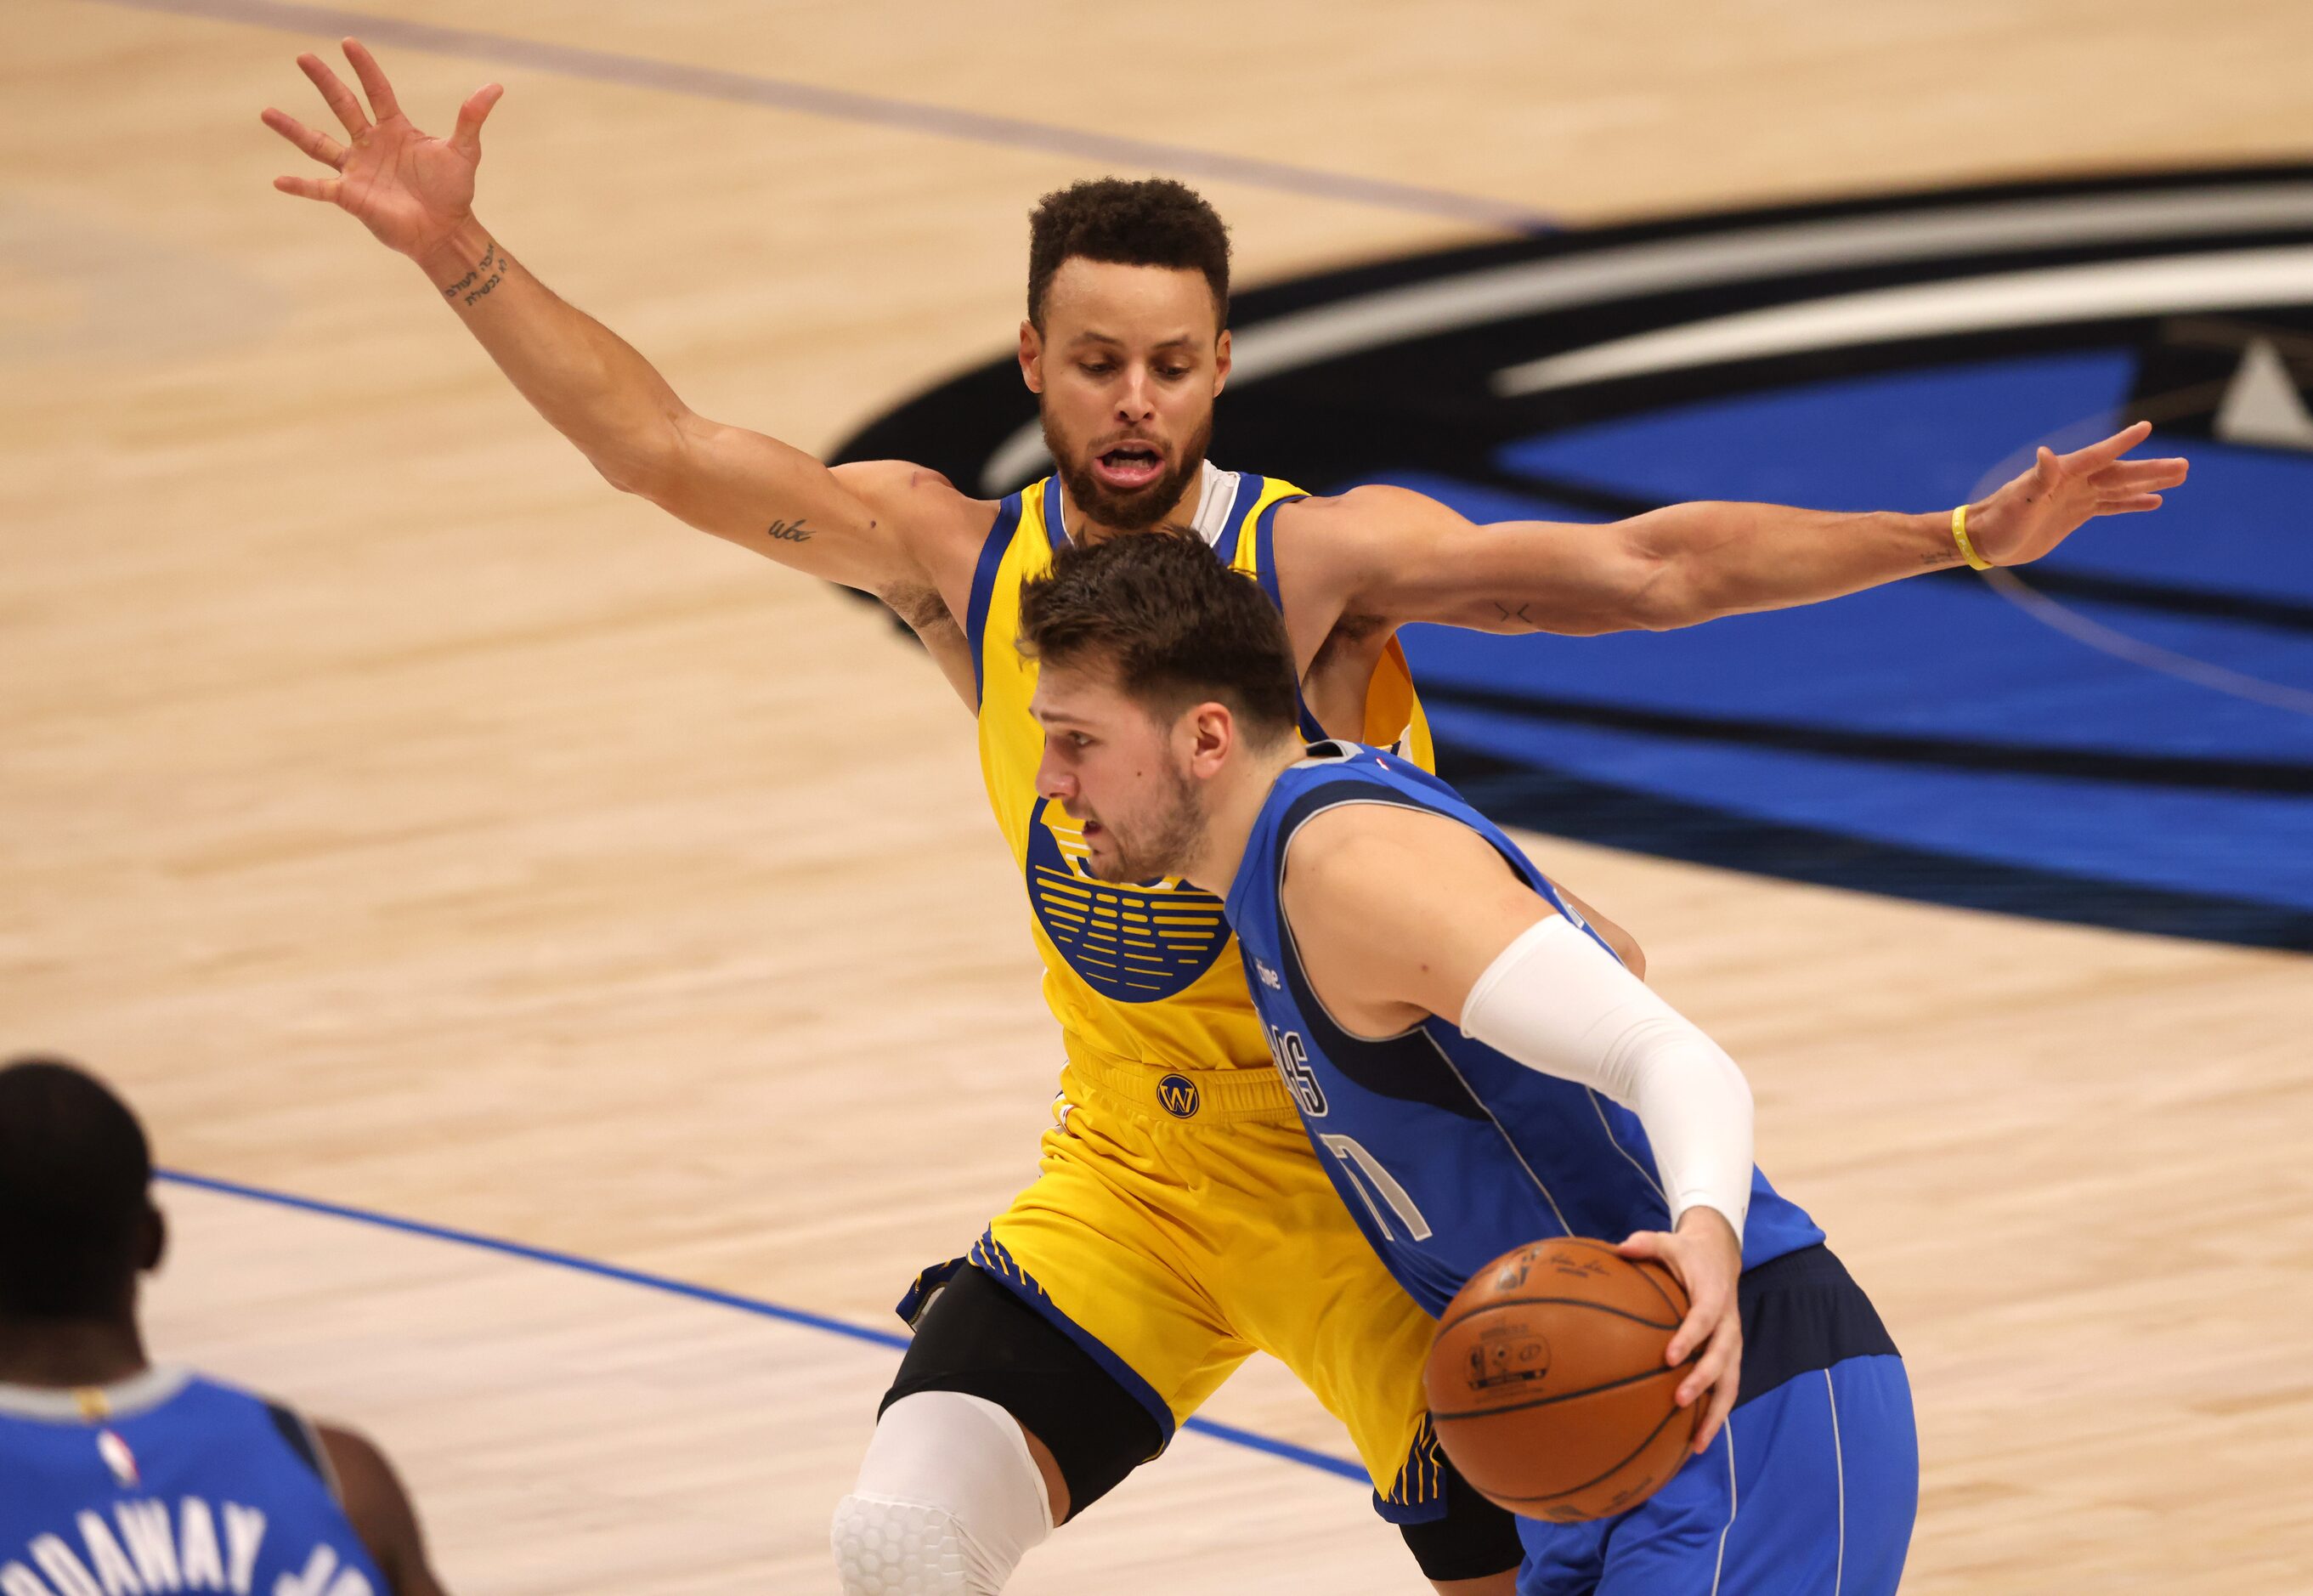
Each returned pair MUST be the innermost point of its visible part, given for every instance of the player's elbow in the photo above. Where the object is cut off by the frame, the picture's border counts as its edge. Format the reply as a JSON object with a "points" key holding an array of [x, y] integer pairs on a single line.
{"points": [[1661, 596], [648, 468], [1650, 577], [653, 456], [1626, 949]]}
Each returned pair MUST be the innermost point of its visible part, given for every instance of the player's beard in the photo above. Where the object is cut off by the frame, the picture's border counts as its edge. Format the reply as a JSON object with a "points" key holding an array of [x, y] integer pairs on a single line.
{"points": [[1161, 845], [1139, 508]]}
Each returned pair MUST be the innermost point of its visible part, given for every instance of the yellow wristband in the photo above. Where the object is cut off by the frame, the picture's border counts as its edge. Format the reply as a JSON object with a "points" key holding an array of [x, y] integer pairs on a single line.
{"points": [[1960, 535]]}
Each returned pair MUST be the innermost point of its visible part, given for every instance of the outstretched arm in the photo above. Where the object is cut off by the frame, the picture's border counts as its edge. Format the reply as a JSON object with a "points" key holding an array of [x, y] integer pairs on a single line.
{"points": [[415, 192], [1391, 555]]}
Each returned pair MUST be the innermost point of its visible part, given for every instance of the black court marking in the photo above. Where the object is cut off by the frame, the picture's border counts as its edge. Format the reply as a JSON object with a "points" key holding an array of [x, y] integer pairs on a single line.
{"points": [[1950, 754]]}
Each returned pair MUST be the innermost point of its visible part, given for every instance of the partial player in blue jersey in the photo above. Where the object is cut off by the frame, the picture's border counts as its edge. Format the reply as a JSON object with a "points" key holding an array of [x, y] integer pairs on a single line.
{"points": [[120, 1478], [1478, 1071]]}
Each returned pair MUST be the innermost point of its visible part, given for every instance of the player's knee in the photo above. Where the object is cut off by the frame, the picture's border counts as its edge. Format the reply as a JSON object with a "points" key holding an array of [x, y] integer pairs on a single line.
{"points": [[948, 1502], [899, 1548]]}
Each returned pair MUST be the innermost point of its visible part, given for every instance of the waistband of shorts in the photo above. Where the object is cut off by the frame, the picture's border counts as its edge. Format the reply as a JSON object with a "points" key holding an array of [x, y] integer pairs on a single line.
{"points": [[1163, 1091], [1803, 1311]]}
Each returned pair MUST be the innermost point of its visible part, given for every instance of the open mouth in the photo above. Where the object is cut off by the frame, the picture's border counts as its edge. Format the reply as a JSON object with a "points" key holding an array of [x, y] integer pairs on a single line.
{"points": [[1129, 466]]}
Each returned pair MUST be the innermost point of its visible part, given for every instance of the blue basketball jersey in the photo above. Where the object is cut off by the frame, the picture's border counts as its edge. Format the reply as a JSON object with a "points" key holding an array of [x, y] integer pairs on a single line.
{"points": [[169, 1482], [1448, 1152]]}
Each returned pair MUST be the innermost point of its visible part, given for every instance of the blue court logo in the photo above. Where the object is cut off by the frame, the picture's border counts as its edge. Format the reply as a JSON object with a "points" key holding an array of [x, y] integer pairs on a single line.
{"points": [[1177, 1095], [1134, 943]]}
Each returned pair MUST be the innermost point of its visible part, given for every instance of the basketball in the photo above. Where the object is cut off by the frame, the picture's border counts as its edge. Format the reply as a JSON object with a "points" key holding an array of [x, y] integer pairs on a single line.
{"points": [[1547, 1383]]}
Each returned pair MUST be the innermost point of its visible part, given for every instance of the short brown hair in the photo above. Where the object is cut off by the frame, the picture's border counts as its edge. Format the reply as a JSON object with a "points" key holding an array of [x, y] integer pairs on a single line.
{"points": [[1177, 625], [1154, 222]]}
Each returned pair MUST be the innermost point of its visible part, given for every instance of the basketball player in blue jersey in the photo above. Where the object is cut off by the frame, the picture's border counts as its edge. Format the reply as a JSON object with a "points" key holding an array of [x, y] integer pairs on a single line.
{"points": [[1100, 1309], [121, 1478], [1476, 1070]]}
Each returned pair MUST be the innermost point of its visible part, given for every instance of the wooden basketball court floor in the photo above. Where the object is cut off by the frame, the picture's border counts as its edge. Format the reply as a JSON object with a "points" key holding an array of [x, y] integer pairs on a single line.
{"points": [[410, 823]]}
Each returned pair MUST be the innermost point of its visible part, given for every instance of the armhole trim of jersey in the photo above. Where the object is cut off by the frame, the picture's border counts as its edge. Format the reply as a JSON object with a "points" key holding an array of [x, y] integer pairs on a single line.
{"points": [[1056, 525], [304, 1440], [1249, 489], [1298, 818], [1264, 570], [983, 586]]}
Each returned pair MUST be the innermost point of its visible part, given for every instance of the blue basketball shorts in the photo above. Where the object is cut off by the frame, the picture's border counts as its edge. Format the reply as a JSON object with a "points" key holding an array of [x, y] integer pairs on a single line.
{"points": [[1809, 1489]]}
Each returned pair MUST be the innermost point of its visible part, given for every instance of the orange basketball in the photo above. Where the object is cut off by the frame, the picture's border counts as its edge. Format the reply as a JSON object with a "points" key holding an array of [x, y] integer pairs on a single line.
{"points": [[1547, 1383]]}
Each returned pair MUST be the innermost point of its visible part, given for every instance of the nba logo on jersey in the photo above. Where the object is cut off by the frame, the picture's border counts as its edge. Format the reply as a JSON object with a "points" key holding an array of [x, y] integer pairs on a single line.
{"points": [[117, 1457], [1177, 1095]]}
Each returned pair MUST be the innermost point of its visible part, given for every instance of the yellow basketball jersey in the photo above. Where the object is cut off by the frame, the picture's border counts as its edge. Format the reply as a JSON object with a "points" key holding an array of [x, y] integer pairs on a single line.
{"points": [[1147, 973]]}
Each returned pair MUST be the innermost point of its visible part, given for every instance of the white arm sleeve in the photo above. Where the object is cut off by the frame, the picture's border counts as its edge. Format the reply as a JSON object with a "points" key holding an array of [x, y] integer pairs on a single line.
{"points": [[1557, 1002]]}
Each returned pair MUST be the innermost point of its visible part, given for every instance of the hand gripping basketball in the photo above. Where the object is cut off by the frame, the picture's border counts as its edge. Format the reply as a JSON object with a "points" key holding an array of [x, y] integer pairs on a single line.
{"points": [[1551, 1381], [1708, 1260]]}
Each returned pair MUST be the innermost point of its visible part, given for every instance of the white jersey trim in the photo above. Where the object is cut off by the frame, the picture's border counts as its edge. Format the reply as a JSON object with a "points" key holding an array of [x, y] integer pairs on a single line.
{"points": [[139, 1393]]}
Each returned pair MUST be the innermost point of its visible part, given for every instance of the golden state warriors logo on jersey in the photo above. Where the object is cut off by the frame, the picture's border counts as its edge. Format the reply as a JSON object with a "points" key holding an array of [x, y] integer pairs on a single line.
{"points": [[1133, 943], [1177, 1095]]}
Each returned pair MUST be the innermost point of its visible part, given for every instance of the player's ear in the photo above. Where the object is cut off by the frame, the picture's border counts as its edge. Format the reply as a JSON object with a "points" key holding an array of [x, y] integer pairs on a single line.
{"points": [[1221, 362], [1032, 356], [1212, 738], [153, 1245]]}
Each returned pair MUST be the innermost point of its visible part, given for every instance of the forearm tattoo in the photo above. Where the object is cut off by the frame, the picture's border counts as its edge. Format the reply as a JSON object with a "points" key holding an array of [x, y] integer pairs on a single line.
{"points": [[474, 285], [1517, 617], [789, 531]]}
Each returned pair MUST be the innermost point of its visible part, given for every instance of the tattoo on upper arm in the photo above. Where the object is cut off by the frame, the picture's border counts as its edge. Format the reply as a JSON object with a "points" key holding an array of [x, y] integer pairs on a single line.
{"points": [[1517, 615], [473, 285], [789, 531]]}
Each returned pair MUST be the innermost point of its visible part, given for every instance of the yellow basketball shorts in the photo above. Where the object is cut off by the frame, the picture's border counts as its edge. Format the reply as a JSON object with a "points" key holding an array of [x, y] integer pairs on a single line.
{"points": [[1180, 1222]]}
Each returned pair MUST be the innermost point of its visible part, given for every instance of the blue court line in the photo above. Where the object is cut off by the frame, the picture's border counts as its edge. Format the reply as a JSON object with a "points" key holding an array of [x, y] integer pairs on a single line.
{"points": [[696, 1293], [741, 88]]}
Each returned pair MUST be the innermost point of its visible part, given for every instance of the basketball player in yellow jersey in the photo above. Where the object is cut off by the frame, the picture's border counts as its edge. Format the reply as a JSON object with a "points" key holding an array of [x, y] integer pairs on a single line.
{"points": [[1180, 1220]]}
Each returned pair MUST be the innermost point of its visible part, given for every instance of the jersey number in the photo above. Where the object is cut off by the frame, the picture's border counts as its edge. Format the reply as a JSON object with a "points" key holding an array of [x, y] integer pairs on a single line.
{"points": [[1368, 1177]]}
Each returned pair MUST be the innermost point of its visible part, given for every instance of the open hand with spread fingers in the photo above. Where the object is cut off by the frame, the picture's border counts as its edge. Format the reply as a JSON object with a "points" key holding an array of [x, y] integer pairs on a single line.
{"points": [[410, 188], [2030, 515]]}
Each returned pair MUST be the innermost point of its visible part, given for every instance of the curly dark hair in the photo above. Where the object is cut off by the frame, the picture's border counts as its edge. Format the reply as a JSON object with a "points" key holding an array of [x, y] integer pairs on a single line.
{"points": [[1153, 222], [1178, 626], [74, 1169]]}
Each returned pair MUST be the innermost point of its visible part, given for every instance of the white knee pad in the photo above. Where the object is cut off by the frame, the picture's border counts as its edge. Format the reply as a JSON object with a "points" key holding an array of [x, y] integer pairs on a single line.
{"points": [[948, 1502]]}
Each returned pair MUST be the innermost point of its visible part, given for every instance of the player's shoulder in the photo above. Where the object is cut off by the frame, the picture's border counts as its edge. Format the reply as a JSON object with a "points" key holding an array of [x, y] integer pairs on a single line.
{"points": [[1344, 541], [1368, 508], [1345, 848], [378, 1506], [358, 1464], [1353, 854], [924, 503]]}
